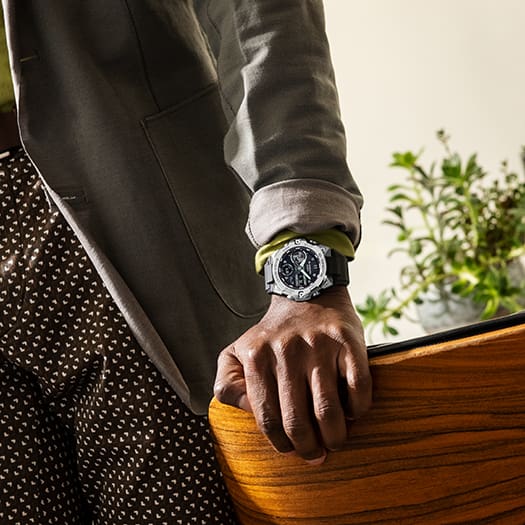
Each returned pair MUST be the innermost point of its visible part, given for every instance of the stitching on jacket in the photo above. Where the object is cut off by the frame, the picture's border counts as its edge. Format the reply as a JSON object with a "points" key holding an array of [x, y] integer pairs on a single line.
{"points": [[180, 105], [141, 54], [151, 120], [216, 29]]}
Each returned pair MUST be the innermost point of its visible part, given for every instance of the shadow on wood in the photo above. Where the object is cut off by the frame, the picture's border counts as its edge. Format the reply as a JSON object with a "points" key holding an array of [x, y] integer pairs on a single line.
{"points": [[443, 443]]}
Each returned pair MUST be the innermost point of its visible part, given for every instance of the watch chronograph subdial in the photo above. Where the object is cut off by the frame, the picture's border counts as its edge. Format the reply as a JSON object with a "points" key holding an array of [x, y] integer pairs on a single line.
{"points": [[286, 270]]}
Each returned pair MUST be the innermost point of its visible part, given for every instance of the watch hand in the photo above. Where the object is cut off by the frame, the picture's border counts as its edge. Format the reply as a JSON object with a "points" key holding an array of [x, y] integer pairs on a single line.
{"points": [[305, 274]]}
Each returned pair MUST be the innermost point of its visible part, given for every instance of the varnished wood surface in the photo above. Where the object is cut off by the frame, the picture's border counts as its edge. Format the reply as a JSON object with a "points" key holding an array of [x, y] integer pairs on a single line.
{"points": [[443, 443]]}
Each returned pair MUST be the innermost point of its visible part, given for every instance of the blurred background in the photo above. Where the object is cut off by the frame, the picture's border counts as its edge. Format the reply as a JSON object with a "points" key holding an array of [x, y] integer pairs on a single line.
{"points": [[406, 68]]}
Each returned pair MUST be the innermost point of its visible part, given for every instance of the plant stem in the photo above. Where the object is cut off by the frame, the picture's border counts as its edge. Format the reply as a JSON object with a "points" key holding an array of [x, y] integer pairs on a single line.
{"points": [[473, 218], [411, 297], [424, 215]]}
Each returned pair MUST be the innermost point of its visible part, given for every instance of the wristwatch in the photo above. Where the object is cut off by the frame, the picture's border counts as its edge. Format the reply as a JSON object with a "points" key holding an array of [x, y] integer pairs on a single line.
{"points": [[302, 269]]}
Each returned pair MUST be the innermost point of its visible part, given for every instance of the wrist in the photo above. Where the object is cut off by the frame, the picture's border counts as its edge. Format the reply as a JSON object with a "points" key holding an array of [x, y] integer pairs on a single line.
{"points": [[335, 294]]}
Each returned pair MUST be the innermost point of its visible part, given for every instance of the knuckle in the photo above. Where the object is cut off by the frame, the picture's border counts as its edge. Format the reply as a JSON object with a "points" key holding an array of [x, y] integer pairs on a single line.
{"points": [[270, 426], [318, 339], [225, 393], [290, 346], [327, 411], [220, 390], [296, 429], [344, 333], [348, 331], [257, 355], [355, 336]]}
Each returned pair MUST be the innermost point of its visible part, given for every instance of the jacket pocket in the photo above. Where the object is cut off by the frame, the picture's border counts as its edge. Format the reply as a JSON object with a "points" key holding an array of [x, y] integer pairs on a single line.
{"points": [[213, 202]]}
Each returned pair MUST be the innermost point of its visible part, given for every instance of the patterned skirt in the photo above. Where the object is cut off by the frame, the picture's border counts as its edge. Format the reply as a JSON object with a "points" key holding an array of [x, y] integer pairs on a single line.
{"points": [[90, 432]]}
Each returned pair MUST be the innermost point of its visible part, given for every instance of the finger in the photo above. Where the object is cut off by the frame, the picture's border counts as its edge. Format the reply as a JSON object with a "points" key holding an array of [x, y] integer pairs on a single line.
{"points": [[296, 408], [327, 405], [230, 384], [353, 366], [261, 388]]}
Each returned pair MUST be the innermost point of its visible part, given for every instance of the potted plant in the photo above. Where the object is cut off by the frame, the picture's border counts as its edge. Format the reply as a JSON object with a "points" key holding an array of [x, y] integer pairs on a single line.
{"points": [[463, 233]]}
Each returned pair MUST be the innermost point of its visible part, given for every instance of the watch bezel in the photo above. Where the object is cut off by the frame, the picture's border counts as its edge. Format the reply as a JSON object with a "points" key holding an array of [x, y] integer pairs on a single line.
{"points": [[313, 289]]}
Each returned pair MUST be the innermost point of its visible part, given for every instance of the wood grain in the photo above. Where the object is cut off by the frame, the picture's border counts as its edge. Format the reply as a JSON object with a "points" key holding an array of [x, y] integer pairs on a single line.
{"points": [[443, 443]]}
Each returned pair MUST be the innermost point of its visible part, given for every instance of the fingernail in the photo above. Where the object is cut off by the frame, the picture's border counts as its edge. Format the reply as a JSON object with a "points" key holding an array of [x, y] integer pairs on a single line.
{"points": [[316, 461]]}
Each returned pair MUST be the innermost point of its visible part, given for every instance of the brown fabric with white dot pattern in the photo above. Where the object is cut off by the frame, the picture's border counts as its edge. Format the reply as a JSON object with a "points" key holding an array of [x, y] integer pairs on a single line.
{"points": [[89, 430]]}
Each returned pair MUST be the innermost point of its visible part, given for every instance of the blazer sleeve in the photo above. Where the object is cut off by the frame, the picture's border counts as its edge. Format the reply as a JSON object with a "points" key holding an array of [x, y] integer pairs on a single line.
{"points": [[285, 137]]}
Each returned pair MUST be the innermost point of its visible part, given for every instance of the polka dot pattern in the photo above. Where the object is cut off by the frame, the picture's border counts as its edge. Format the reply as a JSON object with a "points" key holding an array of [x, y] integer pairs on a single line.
{"points": [[90, 432]]}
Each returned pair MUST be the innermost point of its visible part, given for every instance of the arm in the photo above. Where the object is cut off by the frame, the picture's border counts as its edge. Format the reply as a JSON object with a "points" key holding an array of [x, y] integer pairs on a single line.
{"points": [[286, 141]]}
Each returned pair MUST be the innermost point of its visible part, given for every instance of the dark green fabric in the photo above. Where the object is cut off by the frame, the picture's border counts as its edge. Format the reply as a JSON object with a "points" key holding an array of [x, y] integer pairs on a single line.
{"points": [[7, 96]]}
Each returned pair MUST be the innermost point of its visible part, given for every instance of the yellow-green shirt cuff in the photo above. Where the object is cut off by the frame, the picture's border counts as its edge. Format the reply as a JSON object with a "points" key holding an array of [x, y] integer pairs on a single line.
{"points": [[7, 96], [334, 239]]}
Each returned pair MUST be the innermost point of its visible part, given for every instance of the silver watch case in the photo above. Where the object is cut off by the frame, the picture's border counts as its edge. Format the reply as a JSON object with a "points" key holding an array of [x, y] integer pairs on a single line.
{"points": [[322, 282]]}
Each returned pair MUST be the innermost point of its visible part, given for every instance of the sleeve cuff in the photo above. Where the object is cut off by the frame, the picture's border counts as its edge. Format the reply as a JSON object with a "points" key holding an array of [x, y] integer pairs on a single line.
{"points": [[303, 206]]}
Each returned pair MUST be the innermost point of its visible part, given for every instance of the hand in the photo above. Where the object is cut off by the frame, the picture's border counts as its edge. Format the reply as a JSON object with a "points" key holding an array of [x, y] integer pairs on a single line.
{"points": [[288, 370]]}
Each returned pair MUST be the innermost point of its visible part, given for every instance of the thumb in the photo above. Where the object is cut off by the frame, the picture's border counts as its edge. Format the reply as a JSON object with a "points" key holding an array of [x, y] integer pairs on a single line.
{"points": [[230, 385]]}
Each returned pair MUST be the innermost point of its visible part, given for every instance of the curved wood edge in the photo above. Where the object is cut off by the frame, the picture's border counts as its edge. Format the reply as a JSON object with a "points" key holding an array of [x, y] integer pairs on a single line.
{"points": [[444, 441], [473, 341], [452, 334]]}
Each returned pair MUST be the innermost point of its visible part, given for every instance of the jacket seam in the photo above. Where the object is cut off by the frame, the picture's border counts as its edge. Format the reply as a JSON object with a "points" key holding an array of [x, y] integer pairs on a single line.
{"points": [[219, 84], [182, 104], [141, 55]]}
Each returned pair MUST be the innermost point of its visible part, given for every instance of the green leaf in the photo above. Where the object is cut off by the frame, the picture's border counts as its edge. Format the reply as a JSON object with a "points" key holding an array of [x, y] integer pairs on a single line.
{"points": [[402, 197], [490, 308], [404, 160], [473, 171], [395, 187], [396, 210], [451, 168], [392, 330], [415, 248]]}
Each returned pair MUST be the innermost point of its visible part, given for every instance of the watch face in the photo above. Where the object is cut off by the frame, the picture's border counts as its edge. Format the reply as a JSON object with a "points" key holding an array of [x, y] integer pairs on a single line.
{"points": [[299, 267]]}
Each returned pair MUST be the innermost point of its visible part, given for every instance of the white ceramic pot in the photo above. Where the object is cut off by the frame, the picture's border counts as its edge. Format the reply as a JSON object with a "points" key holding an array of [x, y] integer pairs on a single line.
{"points": [[441, 309]]}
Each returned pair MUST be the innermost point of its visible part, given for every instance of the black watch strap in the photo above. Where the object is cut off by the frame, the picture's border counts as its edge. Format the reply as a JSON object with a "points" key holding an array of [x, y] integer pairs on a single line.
{"points": [[337, 268]]}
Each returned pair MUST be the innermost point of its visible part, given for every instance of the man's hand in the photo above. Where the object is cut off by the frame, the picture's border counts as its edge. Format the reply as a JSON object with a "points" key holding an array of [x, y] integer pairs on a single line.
{"points": [[302, 371]]}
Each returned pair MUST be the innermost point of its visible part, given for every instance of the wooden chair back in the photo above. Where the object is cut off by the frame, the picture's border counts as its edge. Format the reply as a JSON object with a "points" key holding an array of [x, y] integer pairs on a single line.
{"points": [[443, 443]]}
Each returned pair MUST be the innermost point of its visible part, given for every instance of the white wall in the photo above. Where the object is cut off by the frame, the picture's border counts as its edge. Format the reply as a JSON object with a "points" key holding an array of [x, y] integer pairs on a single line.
{"points": [[406, 68]]}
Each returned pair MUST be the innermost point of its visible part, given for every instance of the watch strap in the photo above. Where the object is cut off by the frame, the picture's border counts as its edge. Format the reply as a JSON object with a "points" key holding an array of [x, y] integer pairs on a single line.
{"points": [[337, 268]]}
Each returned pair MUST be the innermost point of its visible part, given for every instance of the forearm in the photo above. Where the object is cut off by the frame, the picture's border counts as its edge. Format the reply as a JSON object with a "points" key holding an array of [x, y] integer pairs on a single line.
{"points": [[286, 139]]}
